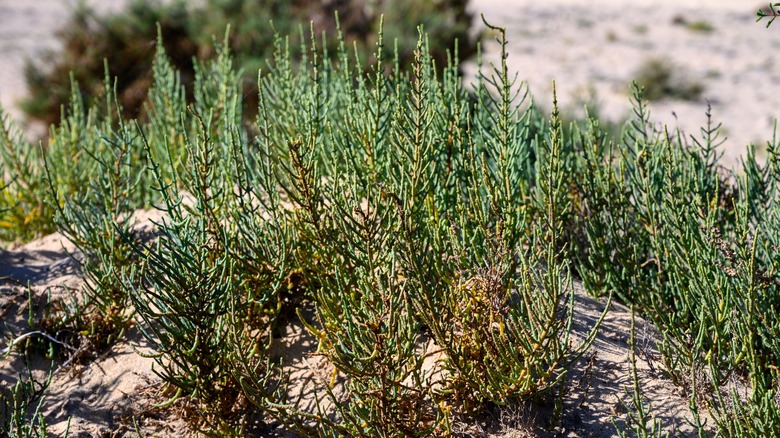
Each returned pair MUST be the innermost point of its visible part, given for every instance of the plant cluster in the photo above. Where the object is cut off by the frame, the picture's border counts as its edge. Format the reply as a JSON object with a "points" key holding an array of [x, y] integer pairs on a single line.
{"points": [[695, 248], [409, 211], [411, 214], [127, 39], [21, 408]]}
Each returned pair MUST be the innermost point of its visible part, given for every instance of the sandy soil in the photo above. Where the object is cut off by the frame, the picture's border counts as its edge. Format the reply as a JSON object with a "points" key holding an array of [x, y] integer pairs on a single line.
{"points": [[590, 47]]}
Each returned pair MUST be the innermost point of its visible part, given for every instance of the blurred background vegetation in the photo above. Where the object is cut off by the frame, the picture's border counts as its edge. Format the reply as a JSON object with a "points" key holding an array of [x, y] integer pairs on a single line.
{"points": [[123, 45]]}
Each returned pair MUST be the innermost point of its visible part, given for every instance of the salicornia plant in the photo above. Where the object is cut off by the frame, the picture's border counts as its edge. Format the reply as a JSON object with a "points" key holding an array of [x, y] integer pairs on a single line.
{"points": [[96, 215], [414, 203], [23, 210], [21, 407], [434, 232]]}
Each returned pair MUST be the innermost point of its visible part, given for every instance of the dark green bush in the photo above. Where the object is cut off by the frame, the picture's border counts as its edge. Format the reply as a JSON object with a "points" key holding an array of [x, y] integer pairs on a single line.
{"points": [[662, 79]]}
